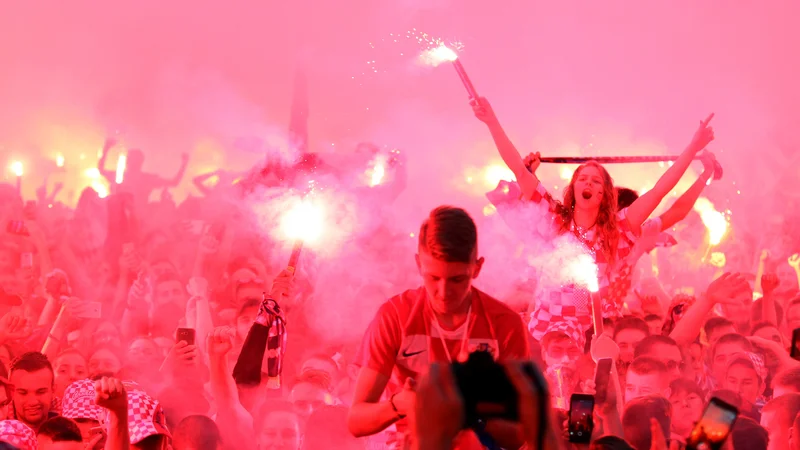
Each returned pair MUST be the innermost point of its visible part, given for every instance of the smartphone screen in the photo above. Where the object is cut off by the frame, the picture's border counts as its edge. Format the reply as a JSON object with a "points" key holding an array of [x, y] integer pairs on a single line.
{"points": [[601, 378], [581, 423], [713, 428], [796, 344], [186, 335]]}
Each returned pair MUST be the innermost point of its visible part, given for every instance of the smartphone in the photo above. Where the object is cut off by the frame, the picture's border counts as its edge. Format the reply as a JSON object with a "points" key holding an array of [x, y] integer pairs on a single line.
{"points": [[26, 260], [17, 227], [581, 423], [795, 352], [714, 426], [186, 335], [601, 377]]}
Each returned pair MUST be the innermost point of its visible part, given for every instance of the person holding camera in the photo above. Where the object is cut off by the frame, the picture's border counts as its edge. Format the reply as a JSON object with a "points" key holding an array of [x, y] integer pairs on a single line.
{"points": [[443, 321]]}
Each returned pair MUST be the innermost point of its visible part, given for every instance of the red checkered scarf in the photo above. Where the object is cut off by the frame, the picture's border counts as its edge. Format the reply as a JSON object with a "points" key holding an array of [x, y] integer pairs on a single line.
{"points": [[18, 434], [79, 402]]}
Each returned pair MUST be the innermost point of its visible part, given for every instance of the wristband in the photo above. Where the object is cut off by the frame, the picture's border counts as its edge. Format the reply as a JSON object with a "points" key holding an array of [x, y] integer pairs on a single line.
{"points": [[394, 408]]}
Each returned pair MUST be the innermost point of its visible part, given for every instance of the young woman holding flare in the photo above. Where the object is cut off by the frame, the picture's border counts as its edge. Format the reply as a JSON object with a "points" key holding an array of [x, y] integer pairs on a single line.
{"points": [[589, 212]]}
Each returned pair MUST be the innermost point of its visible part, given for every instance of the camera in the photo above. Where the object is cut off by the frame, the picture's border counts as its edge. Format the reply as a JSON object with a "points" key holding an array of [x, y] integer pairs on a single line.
{"points": [[487, 391]]}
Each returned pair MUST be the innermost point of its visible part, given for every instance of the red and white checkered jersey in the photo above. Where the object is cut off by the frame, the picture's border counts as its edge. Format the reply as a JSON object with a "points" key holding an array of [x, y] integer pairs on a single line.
{"points": [[18, 434]]}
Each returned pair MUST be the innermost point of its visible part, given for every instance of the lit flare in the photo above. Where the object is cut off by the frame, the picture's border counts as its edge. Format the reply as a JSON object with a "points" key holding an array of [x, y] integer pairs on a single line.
{"points": [[122, 162], [17, 168], [303, 221], [715, 221], [438, 55]]}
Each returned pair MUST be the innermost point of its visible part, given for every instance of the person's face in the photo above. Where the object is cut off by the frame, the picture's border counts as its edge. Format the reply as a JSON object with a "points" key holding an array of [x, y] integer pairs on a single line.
{"points": [[103, 361], [718, 333], [5, 403], [143, 353], [687, 408], [244, 321], [696, 357], [249, 290], [588, 187], [69, 368], [170, 292], [638, 385], [739, 311], [281, 431], [627, 341], [744, 381], [671, 356], [722, 357], [655, 326], [447, 283], [32, 395], [89, 428], [161, 268], [787, 276], [320, 365], [307, 397], [770, 334], [778, 434], [106, 333], [561, 352]]}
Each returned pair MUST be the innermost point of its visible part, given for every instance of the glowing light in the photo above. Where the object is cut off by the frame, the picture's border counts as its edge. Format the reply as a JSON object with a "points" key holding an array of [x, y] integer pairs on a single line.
{"points": [[377, 171], [488, 210], [304, 220], [17, 168], [121, 163], [60, 160], [495, 173], [717, 259], [584, 271], [714, 220], [565, 173], [437, 55], [96, 182]]}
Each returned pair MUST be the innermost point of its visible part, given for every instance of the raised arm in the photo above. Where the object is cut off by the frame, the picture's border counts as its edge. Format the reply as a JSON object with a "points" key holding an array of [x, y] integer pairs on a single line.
{"points": [[109, 175], [641, 209], [528, 182], [176, 180], [680, 209]]}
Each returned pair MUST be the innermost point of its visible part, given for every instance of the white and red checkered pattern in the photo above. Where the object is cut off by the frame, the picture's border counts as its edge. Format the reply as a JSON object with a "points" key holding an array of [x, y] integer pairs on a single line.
{"points": [[79, 402], [145, 416], [570, 327], [18, 434]]}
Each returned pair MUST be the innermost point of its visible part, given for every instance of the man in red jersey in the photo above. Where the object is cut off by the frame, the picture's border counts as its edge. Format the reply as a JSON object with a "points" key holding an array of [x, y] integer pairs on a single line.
{"points": [[442, 321]]}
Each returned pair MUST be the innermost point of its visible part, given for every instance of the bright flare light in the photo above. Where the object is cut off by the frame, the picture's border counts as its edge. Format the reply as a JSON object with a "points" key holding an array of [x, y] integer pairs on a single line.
{"points": [[304, 221], [566, 173], [714, 220], [377, 171], [96, 182], [17, 168], [121, 163], [60, 160], [583, 271], [495, 173], [438, 55]]}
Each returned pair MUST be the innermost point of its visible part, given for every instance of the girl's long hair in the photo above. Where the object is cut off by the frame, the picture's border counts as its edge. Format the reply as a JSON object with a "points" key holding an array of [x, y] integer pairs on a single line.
{"points": [[606, 222]]}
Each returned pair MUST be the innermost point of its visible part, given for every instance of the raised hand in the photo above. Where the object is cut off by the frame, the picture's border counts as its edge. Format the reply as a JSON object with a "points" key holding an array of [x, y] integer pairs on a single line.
{"points": [[709, 161], [769, 282], [14, 327], [728, 289], [794, 261], [483, 111], [283, 286], [533, 161], [703, 136], [220, 341], [110, 394]]}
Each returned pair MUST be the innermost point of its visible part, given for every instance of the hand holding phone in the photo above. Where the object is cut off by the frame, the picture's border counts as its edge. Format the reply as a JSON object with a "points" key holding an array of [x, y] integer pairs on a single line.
{"points": [[714, 426], [185, 334], [581, 418]]}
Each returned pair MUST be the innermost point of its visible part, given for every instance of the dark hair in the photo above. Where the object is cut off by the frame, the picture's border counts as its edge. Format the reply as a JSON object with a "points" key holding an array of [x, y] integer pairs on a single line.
{"points": [[625, 197], [197, 433], [760, 325], [788, 377], [645, 365], [150, 442], [636, 419], [714, 323], [631, 323], [449, 234], [31, 362], [649, 343], [651, 317], [273, 406], [610, 443], [732, 338], [60, 429], [685, 385], [747, 433]]}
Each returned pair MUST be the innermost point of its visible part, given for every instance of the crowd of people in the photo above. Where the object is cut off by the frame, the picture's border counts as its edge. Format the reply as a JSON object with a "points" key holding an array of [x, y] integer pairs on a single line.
{"points": [[132, 321]]}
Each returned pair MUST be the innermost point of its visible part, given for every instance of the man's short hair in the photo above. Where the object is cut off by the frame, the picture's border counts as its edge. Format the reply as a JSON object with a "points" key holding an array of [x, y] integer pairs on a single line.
{"points": [[732, 338], [449, 234], [649, 343], [714, 323], [60, 429], [747, 433], [646, 365], [610, 443], [789, 378], [631, 323], [652, 317], [31, 362], [785, 407], [636, 419], [196, 433], [625, 197], [760, 325]]}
